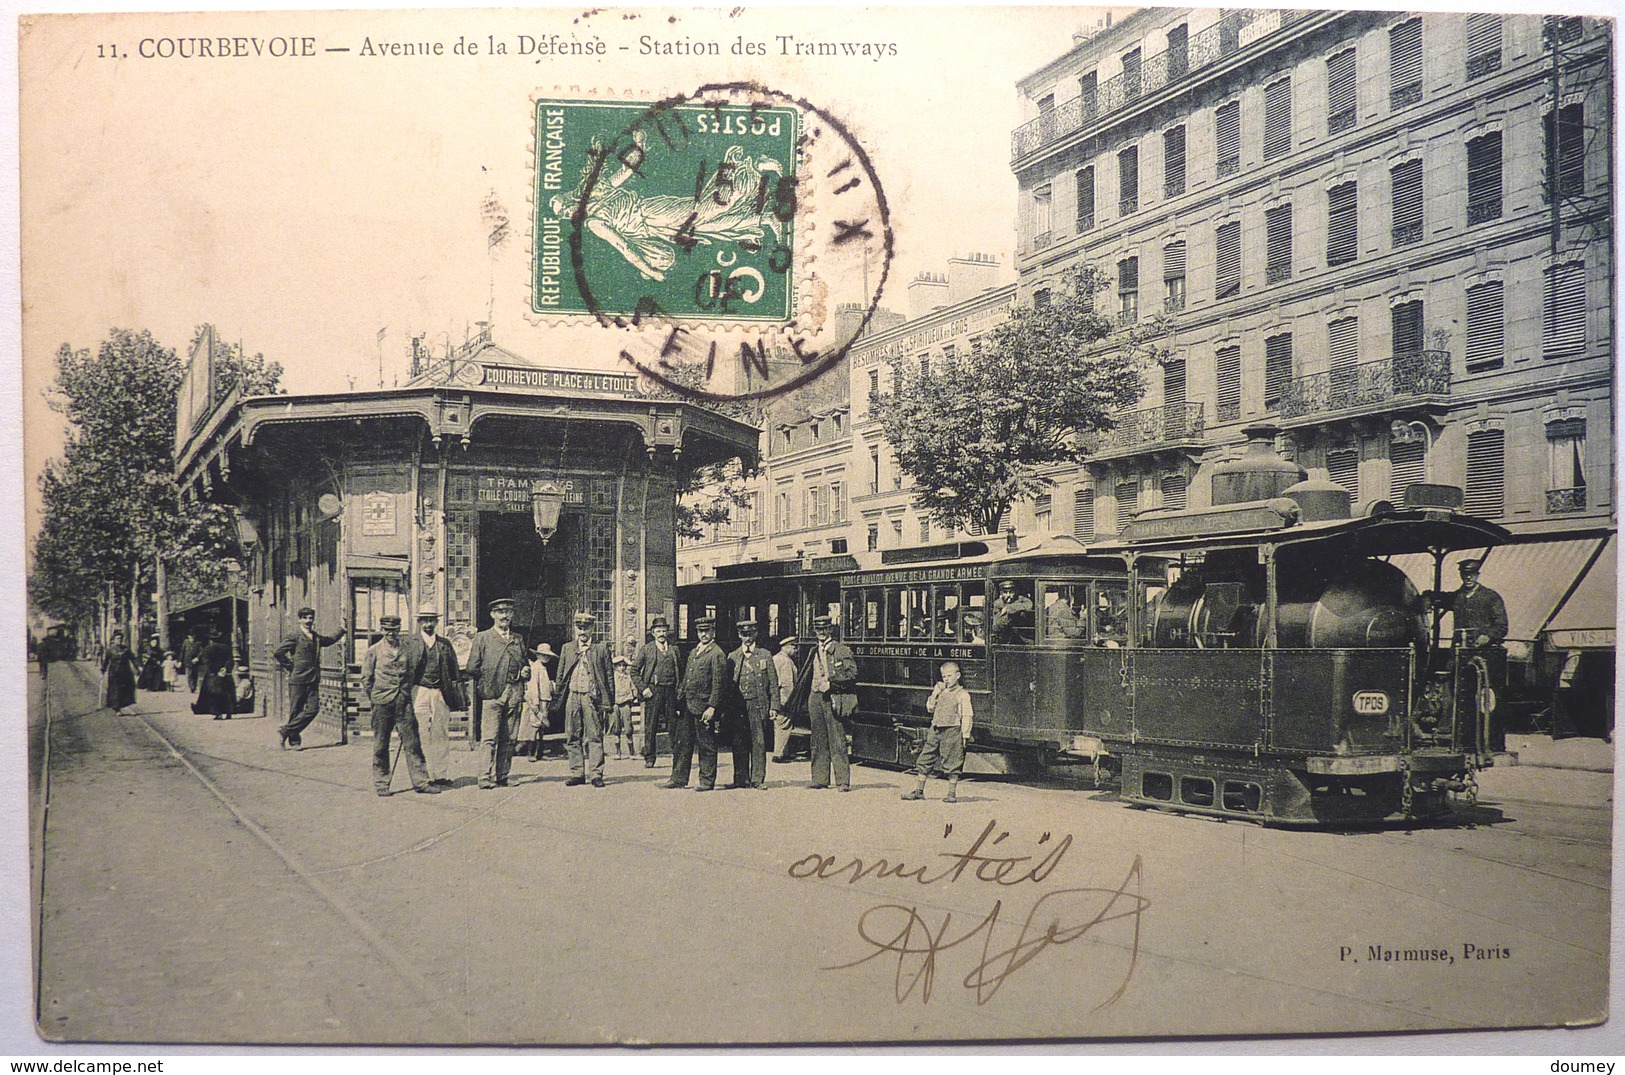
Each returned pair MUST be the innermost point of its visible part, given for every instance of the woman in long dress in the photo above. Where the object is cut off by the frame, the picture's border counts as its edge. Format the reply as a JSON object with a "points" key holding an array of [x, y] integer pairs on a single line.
{"points": [[118, 674], [217, 683], [152, 667]]}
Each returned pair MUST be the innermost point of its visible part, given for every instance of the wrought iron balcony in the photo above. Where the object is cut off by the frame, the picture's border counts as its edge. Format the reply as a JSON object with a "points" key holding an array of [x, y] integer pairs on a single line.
{"points": [[1153, 427], [1368, 386], [1274, 274], [1215, 43], [1406, 234], [1480, 211], [1560, 501]]}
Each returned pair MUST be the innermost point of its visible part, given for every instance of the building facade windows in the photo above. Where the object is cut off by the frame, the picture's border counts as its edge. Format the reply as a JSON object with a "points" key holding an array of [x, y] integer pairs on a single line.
{"points": [[1177, 57], [1408, 465], [1041, 513], [1089, 96], [1483, 45], [1341, 93], [1227, 137], [1128, 502], [1486, 327], [1173, 162], [1407, 199], [1278, 244], [1173, 491], [1563, 310], [1227, 260], [1277, 369], [1486, 474], [1085, 179], [1565, 152], [1128, 289], [1173, 276], [1343, 352], [873, 537], [1131, 75], [1278, 119], [1406, 321], [1043, 216], [1565, 466], [1227, 361], [1405, 64], [925, 530], [1343, 468], [1128, 181], [1342, 224], [1083, 514], [1484, 178]]}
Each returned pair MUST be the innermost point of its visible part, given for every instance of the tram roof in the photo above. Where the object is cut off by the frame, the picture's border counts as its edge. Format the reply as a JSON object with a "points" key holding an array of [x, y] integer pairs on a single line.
{"points": [[1387, 534]]}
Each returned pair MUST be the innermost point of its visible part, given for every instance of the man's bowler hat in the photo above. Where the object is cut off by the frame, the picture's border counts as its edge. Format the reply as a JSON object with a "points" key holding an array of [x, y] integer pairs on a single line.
{"points": [[659, 621]]}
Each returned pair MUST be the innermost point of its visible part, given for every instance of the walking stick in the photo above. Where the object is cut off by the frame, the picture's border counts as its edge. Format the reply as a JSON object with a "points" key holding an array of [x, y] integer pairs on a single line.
{"points": [[400, 744]]}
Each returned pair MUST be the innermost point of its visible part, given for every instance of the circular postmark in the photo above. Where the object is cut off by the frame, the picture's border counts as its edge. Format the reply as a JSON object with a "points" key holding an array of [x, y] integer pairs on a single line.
{"points": [[714, 231]]}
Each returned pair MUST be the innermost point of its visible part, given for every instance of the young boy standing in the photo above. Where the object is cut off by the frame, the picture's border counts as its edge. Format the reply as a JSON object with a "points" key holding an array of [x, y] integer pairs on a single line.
{"points": [[950, 730]]}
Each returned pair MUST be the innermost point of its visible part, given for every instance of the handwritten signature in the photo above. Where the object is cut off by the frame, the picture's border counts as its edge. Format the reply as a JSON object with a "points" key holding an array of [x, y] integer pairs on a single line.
{"points": [[901, 934]]}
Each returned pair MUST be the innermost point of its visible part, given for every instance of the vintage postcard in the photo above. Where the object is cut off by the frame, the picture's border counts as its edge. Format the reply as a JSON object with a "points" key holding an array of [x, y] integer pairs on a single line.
{"points": [[693, 526]]}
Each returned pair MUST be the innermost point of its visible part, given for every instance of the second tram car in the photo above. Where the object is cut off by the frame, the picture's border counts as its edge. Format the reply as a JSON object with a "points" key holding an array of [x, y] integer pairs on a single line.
{"points": [[1260, 658]]}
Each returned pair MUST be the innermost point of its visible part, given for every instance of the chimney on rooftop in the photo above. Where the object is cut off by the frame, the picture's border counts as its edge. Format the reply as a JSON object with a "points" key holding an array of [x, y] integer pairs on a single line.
{"points": [[926, 292], [971, 275]]}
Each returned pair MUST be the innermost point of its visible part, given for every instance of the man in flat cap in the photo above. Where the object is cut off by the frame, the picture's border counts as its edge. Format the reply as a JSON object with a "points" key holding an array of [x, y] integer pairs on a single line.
{"points": [[384, 681], [300, 656], [498, 666], [784, 666], [704, 684], [833, 700], [432, 674], [588, 679], [656, 672], [1481, 628], [756, 681]]}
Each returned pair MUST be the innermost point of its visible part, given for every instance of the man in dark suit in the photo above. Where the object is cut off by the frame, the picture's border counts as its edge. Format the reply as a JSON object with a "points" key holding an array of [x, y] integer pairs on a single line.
{"points": [[701, 709], [433, 679], [587, 681], [756, 683], [300, 655], [498, 666], [833, 700], [656, 672]]}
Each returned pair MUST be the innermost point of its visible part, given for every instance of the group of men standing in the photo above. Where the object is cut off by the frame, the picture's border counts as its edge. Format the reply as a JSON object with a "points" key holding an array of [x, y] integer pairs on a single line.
{"points": [[741, 699]]}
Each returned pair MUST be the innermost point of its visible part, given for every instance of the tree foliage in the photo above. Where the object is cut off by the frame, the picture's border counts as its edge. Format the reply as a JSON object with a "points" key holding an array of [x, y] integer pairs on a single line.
{"points": [[709, 495], [110, 503], [977, 432]]}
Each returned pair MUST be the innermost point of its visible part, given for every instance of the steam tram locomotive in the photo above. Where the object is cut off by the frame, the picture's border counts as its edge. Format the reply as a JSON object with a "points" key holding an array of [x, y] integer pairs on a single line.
{"points": [[1258, 659]]}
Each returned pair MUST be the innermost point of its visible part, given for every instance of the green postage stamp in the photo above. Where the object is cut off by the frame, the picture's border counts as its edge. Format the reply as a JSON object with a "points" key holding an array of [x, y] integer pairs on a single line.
{"points": [[684, 210]]}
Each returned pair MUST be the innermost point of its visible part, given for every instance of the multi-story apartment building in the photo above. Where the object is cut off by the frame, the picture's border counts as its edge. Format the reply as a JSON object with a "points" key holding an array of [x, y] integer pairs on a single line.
{"points": [[1388, 234]]}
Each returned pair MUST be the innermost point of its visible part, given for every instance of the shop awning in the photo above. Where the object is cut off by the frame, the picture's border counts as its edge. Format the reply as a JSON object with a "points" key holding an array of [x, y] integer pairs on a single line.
{"points": [[1587, 618], [1531, 578]]}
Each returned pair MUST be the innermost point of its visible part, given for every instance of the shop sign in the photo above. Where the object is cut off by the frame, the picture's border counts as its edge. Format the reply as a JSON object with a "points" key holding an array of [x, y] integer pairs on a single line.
{"points": [[549, 380], [502, 492]]}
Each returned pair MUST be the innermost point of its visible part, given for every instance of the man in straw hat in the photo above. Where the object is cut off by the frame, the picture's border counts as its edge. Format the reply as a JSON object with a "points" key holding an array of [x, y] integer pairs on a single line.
{"points": [[497, 665], [656, 672], [385, 683], [432, 673], [588, 679]]}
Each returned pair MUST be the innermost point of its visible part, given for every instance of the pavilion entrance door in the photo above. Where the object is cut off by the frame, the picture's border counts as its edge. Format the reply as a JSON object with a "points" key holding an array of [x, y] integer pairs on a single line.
{"points": [[512, 562]]}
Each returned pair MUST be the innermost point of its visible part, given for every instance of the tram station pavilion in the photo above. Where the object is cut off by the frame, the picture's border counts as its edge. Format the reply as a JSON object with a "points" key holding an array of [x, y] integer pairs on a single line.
{"points": [[485, 476]]}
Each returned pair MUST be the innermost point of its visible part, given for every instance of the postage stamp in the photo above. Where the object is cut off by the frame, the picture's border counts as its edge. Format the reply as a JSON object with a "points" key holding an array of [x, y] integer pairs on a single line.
{"points": [[689, 208], [720, 231]]}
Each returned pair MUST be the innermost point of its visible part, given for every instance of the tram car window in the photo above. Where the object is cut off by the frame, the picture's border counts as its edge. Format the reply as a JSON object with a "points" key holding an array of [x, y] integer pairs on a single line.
{"points": [[947, 601], [1013, 611], [1061, 604], [1110, 614], [919, 613], [974, 621]]}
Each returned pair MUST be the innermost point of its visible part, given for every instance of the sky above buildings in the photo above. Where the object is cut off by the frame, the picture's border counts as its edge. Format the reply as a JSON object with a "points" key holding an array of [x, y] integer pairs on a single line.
{"points": [[304, 206]]}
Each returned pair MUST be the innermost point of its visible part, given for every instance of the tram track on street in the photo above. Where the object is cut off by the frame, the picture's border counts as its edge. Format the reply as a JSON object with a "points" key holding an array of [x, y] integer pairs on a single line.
{"points": [[438, 1003]]}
